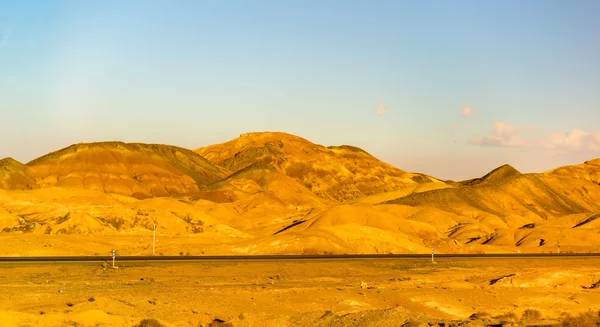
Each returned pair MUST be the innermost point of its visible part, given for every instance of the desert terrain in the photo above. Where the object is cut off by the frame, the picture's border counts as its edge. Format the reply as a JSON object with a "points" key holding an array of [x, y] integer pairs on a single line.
{"points": [[279, 194], [379, 292], [276, 193]]}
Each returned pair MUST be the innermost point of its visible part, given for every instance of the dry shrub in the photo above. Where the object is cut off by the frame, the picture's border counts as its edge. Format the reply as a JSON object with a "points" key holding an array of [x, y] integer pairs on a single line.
{"points": [[480, 316], [583, 320], [531, 315], [508, 317], [220, 323], [150, 323]]}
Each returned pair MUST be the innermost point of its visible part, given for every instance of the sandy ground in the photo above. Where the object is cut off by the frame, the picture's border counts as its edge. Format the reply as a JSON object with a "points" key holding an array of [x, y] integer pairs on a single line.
{"points": [[386, 292], [21, 245], [69, 245]]}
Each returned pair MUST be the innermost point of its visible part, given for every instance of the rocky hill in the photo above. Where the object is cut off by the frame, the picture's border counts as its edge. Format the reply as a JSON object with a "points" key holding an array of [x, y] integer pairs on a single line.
{"points": [[137, 170], [275, 193], [337, 172], [16, 176]]}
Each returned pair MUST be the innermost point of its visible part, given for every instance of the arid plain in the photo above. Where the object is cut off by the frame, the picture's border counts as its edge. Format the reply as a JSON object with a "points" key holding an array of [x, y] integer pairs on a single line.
{"points": [[275, 193], [387, 292]]}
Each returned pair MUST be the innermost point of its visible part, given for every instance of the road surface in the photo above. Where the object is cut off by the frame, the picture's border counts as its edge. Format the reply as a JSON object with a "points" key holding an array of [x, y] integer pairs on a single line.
{"points": [[295, 257]]}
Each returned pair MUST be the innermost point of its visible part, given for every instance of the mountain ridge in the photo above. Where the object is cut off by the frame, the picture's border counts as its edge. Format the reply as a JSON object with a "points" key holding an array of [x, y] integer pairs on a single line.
{"points": [[133, 169], [276, 193], [339, 173]]}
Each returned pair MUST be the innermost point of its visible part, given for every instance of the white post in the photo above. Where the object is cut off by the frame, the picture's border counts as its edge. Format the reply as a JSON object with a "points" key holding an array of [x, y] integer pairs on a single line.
{"points": [[432, 251], [154, 239], [114, 254]]}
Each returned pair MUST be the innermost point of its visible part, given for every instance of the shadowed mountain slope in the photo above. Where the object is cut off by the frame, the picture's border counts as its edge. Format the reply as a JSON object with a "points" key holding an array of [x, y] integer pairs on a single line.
{"points": [[15, 176]]}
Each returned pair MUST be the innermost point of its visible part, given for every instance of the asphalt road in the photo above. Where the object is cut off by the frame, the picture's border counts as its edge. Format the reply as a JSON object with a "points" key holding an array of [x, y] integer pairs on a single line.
{"points": [[294, 257]]}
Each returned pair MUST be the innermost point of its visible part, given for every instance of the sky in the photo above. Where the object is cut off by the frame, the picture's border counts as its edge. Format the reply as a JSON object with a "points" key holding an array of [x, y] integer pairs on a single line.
{"points": [[448, 88]]}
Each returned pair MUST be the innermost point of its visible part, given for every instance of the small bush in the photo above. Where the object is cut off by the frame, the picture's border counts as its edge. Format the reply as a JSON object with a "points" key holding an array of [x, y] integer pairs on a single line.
{"points": [[508, 317], [531, 315], [219, 323], [149, 323], [480, 316], [583, 320]]}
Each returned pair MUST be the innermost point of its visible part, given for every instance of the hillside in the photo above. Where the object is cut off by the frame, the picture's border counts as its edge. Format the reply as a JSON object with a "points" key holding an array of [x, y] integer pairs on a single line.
{"points": [[338, 172], [275, 193], [138, 170], [589, 170], [507, 208], [498, 174], [15, 176]]}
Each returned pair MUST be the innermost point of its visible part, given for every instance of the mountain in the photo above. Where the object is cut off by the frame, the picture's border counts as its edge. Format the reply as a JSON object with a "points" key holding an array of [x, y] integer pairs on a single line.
{"points": [[496, 175], [336, 173], [508, 208], [137, 170], [15, 176], [276, 193]]}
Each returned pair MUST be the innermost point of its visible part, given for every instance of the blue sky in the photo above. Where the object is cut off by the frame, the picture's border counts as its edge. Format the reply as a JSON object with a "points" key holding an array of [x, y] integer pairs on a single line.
{"points": [[193, 73]]}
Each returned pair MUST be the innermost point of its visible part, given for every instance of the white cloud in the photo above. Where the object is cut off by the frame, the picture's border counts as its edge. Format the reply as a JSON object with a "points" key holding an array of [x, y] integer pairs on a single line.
{"points": [[467, 111], [505, 135], [575, 140], [380, 108]]}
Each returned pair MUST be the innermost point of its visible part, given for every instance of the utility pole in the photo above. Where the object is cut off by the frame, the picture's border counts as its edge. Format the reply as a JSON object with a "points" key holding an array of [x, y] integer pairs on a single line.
{"points": [[432, 251]]}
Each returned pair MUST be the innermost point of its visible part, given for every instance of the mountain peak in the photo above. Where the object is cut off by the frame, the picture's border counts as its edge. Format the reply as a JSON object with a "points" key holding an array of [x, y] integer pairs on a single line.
{"points": [[9, 161], [497, 174], [336, 172]]}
